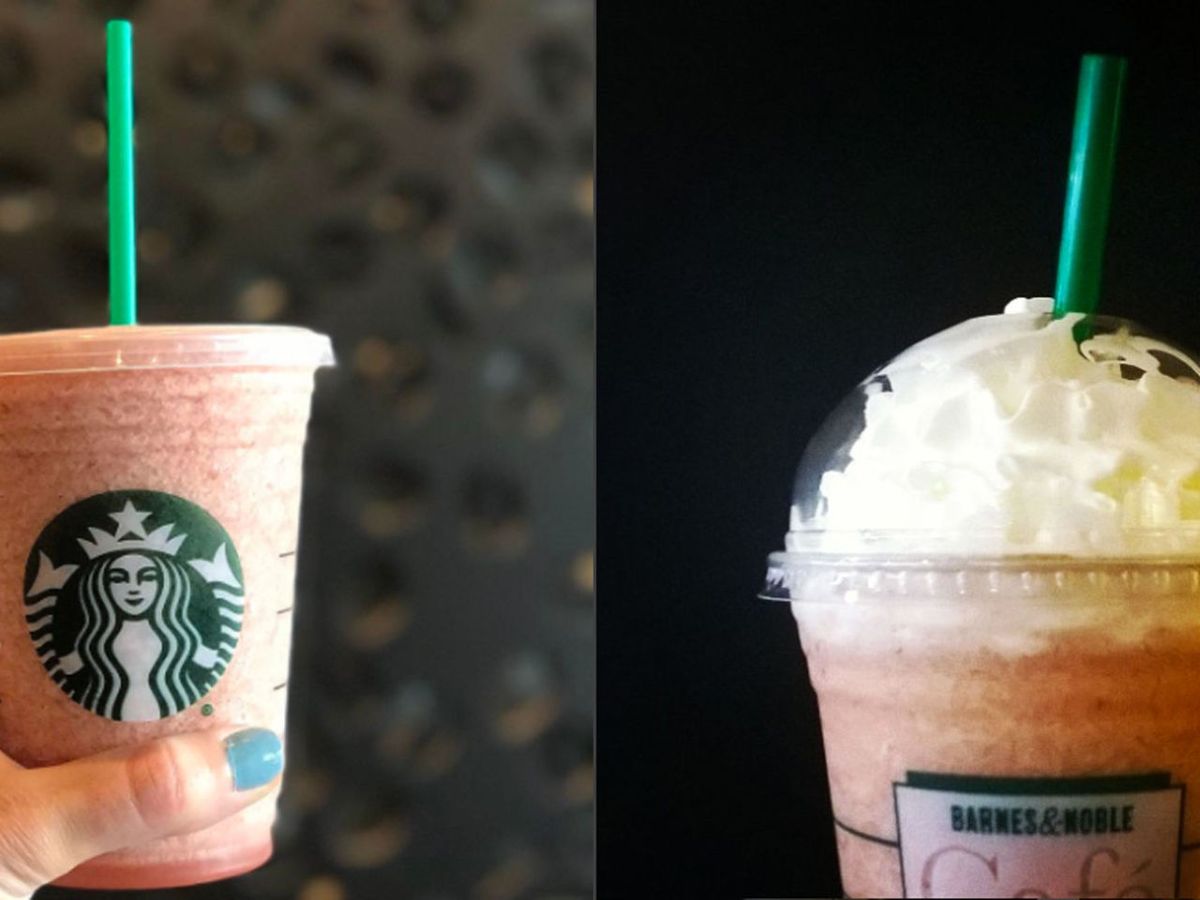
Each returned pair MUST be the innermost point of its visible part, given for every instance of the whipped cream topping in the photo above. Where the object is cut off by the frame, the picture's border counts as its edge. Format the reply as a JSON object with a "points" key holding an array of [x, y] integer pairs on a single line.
{"points": [[1006, 434]]}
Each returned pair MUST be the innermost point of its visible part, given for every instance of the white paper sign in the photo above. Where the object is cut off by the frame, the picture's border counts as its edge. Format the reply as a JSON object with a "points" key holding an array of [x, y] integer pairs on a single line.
{"points": [[967, 836]]}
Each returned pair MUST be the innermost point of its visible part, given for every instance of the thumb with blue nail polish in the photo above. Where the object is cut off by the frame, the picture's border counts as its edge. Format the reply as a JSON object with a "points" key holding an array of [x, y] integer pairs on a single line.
{"points": [[53, 819], [255, 757]]}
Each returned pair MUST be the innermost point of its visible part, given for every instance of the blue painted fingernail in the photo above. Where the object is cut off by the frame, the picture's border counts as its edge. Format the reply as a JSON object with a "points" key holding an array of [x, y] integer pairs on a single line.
{"points": [[255, 757]]}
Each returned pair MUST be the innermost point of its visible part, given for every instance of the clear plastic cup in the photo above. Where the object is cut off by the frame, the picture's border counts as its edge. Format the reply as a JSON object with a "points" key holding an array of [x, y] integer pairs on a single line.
{"points": [[151, 480], [1000, 721]]}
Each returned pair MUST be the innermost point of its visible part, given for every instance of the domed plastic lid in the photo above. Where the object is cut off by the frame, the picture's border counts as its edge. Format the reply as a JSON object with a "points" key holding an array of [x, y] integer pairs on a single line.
{"points": [[1010, 435], [163, 347]]}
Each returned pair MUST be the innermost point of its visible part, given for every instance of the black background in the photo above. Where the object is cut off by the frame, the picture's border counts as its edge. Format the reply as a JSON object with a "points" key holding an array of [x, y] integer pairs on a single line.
{"points": [[786, 199]]}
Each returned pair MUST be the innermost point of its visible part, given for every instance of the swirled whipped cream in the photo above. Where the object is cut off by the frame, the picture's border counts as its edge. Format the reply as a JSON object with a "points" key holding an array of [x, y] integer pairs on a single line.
{"points": [[1015, 434]]}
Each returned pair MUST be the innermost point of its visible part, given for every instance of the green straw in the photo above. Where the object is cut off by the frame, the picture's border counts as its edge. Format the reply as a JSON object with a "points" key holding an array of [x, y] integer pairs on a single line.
{"points": [[1089, 186], [122, 262]]}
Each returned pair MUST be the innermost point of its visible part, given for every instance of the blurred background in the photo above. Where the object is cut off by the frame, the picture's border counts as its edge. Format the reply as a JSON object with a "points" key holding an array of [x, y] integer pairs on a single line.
{"points": [[413, 177]]}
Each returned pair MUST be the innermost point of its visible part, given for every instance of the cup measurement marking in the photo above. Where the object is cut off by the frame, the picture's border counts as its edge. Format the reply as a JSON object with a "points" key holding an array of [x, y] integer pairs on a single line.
{"points": [[863, 835]]}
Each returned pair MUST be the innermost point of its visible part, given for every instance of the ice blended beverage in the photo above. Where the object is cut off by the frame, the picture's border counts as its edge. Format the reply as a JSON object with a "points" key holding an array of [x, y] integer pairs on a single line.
{"points": [[150, 482], [994, 564], [150, 479]]}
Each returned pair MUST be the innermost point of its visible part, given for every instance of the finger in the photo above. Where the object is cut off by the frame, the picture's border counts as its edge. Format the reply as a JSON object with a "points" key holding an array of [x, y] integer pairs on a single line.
{"points": [[8, 764], [65, 815]]}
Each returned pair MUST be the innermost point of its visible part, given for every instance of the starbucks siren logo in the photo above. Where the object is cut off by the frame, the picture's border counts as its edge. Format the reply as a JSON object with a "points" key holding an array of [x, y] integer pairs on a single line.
{"points": [[139, 621]]}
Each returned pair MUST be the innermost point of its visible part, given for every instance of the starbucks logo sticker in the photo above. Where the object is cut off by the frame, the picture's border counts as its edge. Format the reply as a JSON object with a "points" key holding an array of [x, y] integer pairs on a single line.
{"points": [[134, 603]]}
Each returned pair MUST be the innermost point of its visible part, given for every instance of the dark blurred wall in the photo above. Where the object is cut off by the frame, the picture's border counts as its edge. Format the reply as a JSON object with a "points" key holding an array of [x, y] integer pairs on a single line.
{"points": [[789, 194], [414, 178]]}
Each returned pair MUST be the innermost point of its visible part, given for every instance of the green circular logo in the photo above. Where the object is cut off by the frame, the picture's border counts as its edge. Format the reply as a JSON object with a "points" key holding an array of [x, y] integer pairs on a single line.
{"points": [[134, 603]]}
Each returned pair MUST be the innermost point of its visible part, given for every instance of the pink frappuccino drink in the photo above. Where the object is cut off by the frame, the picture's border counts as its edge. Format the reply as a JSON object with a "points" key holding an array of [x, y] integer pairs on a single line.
{"points": [[151, 483], [994, 565]]}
